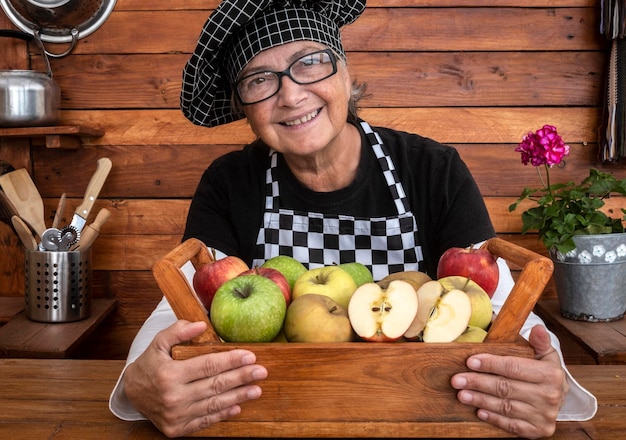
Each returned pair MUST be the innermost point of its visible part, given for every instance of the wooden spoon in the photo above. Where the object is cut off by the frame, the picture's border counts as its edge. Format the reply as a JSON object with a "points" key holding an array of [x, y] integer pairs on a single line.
{"points": [[23, 231], [21, 190]]}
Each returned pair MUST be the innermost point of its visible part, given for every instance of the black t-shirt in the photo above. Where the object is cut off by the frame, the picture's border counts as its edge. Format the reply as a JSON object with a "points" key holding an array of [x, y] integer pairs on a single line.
{"points": [[226, 211]]}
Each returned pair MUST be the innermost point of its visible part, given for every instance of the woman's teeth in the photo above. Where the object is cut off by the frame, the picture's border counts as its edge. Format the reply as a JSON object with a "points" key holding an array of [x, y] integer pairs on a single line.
{"points": [[302, 120]]}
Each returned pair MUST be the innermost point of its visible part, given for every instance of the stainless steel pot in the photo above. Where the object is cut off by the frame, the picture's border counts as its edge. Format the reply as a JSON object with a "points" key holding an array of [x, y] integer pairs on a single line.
{"points": [[28, 98]]}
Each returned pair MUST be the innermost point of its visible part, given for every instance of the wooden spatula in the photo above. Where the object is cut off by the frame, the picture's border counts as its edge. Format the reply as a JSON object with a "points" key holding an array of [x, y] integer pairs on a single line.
{"points": [[21, 190]]}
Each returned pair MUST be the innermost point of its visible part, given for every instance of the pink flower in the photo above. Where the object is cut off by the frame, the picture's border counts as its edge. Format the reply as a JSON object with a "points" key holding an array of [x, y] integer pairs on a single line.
{"points": [[543, 147]]}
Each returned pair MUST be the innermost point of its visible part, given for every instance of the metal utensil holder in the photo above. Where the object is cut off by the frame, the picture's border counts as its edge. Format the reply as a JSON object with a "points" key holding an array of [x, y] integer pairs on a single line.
{"points": [[58, 285]]}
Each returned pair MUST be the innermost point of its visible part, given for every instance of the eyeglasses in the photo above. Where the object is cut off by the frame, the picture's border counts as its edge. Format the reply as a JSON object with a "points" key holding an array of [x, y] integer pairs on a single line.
{"points": [[309, 69]]}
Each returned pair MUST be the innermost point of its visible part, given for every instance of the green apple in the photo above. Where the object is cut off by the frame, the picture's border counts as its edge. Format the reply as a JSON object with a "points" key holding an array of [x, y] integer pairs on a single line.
{"points": [[482, 309], [450, 317], [317, 318], [248, 308], [359, 273], [472, 334], [331, 281], [382, 315], [288, 266]]}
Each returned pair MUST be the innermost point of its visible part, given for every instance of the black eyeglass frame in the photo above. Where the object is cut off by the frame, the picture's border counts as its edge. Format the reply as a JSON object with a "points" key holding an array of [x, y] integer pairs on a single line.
{"points": [[287, 73]]}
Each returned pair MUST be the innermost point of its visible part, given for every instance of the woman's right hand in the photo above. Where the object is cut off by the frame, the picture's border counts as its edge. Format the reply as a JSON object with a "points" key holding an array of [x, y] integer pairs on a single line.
{"points": [[184, 396]]}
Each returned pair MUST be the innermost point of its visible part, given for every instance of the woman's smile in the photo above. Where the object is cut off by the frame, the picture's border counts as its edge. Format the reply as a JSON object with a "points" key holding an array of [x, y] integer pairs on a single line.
{"points": [[303, 119]]}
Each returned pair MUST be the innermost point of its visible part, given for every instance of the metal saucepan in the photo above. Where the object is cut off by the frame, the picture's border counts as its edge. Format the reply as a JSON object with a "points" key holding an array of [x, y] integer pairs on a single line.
{"points": [[27, 97]]}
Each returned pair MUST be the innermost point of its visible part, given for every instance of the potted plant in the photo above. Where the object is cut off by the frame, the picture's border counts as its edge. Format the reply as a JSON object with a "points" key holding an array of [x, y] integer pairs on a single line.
{"points": [[587, 246]]}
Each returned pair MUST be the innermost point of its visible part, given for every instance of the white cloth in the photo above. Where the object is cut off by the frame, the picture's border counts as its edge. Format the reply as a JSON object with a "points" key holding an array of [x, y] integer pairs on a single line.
{"points": [[580, 404]]}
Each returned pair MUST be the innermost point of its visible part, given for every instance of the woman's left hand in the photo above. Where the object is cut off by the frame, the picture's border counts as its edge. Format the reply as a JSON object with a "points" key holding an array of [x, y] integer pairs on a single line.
{"points": [[520, 395]]}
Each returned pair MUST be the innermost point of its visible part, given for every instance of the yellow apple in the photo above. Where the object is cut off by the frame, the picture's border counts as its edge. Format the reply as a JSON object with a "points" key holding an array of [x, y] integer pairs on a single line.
{"points": [[472, 334], [331, 281], [317, 318]]}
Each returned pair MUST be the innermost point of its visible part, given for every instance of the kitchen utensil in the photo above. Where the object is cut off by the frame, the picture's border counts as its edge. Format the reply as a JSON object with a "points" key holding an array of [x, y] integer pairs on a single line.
{"points": [[23, 231], [58, 21], [91, 194], [92, 230], [7, 210], [20, 189], [59, 212], [58, 286], [28, 97]]}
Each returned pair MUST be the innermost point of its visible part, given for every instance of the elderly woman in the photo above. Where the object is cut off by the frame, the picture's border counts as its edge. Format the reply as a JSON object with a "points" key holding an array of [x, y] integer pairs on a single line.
{"points": [[324, 186]]}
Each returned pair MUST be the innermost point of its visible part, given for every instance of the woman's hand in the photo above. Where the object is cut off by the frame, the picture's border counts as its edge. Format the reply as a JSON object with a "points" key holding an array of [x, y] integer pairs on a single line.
{"points": [[520, 395], [181, 397]]}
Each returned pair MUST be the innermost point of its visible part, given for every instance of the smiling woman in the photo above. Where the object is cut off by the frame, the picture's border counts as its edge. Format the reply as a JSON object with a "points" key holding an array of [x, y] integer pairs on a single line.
{"points": [[325, 190]]}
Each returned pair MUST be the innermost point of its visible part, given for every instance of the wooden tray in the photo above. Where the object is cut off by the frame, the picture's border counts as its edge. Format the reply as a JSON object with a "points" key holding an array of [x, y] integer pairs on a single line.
{"points": [[359, 389]]}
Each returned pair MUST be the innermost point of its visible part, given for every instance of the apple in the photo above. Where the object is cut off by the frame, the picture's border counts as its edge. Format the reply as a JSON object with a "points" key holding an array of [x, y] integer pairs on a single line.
{"points": [[209, 277], [317, 318], [359, 273], [382, 315], [248, 308], [273, 275], [331, 281], [478, 264], [427, 296], [450, 317], [472, 334], [288, 266], [413, 277], [482, 309]]}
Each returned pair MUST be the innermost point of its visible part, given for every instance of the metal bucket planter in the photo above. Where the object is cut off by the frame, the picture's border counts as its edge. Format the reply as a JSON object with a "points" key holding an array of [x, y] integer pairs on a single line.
{"points": [[591, 280]]}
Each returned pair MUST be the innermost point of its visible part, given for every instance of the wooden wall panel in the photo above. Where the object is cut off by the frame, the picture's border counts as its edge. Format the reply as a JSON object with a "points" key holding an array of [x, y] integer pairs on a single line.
{"points": [[475, 74]]}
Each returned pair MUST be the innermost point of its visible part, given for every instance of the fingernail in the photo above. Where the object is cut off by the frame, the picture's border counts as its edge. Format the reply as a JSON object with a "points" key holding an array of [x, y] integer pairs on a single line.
{"points": [[474, 363], [253, 393], [459, 382], [248, 359], [259, 373], [465, 397]]}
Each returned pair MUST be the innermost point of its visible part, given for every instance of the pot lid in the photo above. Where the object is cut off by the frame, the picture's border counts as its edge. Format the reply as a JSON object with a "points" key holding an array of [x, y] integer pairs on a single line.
{"points": [[58, 21]]}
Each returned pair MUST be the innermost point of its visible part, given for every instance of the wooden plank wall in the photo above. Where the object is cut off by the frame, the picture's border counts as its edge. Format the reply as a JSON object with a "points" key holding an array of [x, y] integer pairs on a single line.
{"points": [[475, 74]]}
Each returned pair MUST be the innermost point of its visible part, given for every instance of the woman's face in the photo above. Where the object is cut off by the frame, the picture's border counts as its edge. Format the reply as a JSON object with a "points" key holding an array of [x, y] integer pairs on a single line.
{"points": [[299, 120]]}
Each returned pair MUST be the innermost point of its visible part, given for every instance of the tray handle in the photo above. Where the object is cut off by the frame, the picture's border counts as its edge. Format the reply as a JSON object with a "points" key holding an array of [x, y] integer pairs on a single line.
{"points": [[536, 272], [174, 285]]}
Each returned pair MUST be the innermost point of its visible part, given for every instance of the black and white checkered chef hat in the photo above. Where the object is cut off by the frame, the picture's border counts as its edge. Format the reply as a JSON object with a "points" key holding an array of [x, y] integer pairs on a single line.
{"points": [[237, 31]]}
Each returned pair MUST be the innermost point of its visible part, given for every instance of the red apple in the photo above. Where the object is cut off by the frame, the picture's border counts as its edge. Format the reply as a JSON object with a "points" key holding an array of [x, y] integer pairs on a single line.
{"points": [[477, 264], [274, 275], [209, 277]]}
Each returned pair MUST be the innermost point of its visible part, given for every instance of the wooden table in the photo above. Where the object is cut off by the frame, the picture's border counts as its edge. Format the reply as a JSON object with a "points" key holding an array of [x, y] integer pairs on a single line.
{"points": [[63, 398], [605, 342]]}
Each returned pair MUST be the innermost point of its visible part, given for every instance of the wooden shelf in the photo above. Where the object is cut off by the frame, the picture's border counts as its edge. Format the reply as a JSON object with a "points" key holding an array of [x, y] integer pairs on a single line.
{"points": [[604, 341], [57, 136], [21, 337]]}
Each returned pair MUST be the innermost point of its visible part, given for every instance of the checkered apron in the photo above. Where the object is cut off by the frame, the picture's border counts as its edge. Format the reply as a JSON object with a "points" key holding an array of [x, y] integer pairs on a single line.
{"points": [[384, 244]]}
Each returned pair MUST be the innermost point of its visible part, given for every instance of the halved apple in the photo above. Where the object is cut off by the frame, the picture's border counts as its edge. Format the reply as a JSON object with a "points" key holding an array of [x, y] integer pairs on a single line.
{"points": [[449, 318], [427, 296], [482, 309], [378, 314]]}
